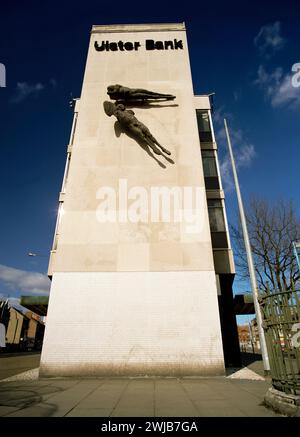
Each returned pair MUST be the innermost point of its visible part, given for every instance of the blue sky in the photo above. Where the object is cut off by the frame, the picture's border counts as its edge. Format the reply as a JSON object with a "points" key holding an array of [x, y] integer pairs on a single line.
{"points": [[242, 51]]}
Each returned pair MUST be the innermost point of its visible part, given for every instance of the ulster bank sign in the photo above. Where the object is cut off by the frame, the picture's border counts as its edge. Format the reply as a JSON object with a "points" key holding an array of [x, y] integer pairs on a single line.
{"points": [[128, 46]]}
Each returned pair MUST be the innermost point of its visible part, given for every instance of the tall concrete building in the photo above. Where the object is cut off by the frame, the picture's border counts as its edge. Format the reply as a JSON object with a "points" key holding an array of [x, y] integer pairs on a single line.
{"points": [[141, 264]]}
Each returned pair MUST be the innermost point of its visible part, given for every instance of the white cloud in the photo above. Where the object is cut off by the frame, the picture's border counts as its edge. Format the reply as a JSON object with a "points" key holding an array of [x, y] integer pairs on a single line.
{"points": [[23, 281], [244, 152], [278, 87], [244, 155], [24, 90], [268, 40], [286, 94]]}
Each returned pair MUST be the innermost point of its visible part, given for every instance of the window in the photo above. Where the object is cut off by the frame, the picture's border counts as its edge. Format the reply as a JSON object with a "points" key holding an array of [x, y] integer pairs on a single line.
{"points": [[217, 223], [209, 163], [204, 126], [210, 170], [216, 217]]}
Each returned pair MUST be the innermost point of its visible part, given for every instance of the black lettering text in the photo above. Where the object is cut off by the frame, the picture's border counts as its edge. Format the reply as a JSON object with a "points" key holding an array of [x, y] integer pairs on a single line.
{"points": [[150, 44], [99, 48], [121, 46], [113, 46], [169, 44], [128, 46], [178, 44]]}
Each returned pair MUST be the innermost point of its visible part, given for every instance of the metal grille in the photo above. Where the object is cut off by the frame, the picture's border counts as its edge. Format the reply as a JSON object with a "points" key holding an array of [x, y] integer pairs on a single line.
{"points": [[281, 323]]}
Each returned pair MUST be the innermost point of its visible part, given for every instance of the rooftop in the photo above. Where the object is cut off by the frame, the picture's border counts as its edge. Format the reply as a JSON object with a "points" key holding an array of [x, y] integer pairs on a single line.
{"points": [[150, 27]]}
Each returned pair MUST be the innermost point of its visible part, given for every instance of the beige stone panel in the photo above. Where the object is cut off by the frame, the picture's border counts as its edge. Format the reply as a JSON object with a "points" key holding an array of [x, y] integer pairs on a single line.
{"points": [[133, 257], [134, 233], [83, 258], [190, 176], [106, 135], [83, 227], [166, 256], [132, 154], [131, 66], [96, 72], [97, 156], [91, 93], [162, 232], [158, 71], [134, 176], [197, 231], [84, 183], [187, 155], [197, 256], [149, 232]]}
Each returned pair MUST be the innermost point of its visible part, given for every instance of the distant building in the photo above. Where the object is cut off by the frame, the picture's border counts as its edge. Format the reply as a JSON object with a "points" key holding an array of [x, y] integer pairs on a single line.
{"points": [[24, 330], [255, 334]]}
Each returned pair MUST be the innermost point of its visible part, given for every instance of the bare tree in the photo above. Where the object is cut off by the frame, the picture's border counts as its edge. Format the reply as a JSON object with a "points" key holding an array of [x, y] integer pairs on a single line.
{"points": [[272, 228]]}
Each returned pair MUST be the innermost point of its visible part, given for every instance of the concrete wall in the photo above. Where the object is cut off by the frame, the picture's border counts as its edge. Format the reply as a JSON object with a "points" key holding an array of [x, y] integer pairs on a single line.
{"points": [[142, 324]]}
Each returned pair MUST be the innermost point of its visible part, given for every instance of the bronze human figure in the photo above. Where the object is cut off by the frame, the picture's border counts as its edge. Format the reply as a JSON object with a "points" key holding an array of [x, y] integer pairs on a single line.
{"points": [[119, 92], [133, 126]]}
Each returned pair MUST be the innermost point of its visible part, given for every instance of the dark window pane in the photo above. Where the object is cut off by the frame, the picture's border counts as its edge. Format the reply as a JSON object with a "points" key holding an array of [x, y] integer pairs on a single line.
{"points": [[209, 167], [219, 240], [216, 216], [214, 203], [205, 137], [210, 170], [204, 126], [212, 183]]}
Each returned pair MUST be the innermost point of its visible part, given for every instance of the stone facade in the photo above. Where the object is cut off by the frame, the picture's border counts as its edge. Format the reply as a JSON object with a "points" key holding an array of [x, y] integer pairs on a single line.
{"points": [[132, 298]]}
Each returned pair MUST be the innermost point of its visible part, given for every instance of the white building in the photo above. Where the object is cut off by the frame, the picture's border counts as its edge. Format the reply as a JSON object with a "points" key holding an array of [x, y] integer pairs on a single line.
{"points": [[133, 292]]}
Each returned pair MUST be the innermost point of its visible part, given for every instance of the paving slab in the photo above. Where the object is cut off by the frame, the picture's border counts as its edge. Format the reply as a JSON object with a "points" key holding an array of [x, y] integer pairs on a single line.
{"points": [[138, 396], [127, 397], [171, 399]]}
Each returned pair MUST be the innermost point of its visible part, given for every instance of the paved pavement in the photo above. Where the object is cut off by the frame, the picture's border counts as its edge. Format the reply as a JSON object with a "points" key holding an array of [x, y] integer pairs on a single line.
{"points": [[241, 394], [146, 397], [14, 363]]}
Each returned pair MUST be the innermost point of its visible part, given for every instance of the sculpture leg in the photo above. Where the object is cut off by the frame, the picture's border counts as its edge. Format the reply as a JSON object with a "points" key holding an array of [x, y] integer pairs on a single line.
{"points": [[154, 140], [153, 146]]}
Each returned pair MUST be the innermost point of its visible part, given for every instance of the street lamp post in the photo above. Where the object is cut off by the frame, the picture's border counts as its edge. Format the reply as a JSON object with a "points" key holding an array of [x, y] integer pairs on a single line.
{"points": [[249, 258]]}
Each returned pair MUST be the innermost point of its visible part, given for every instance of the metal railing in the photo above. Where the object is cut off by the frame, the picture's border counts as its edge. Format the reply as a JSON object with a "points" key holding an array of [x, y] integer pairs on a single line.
{"points": [[281, 323]]}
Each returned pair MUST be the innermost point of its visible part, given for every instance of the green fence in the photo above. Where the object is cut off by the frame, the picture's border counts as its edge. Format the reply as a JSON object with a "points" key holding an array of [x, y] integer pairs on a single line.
{"points": [[281, 323]]}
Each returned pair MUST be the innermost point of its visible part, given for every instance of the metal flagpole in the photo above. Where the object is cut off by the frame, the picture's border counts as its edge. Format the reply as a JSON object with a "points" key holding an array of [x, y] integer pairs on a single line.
{"points": [[249, 259]]}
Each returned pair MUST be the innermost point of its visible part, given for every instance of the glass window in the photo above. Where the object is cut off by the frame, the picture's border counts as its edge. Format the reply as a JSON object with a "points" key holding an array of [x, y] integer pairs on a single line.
{"points": [[204, 126], [209, 163], [216, 216]]}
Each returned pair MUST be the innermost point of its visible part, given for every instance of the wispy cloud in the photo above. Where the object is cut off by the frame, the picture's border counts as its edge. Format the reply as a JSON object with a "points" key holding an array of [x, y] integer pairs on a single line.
{"points": [[244, 151], [269, 39], [24, 90], [24, 281], [278, 87]]}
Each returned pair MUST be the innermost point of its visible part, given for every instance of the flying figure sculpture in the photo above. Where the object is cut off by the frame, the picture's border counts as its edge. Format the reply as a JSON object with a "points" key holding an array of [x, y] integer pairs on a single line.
{"points": [[133, 126], [119, 92]]}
